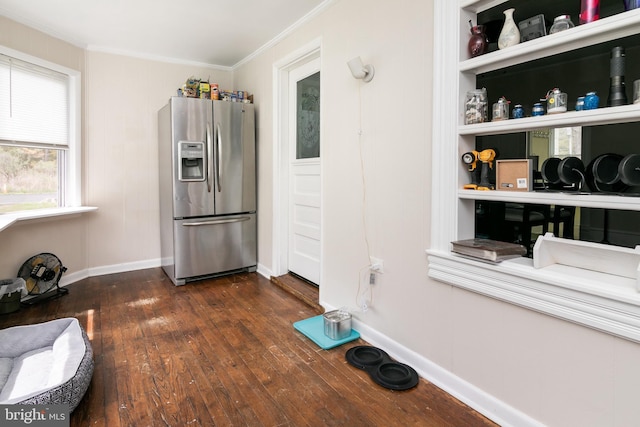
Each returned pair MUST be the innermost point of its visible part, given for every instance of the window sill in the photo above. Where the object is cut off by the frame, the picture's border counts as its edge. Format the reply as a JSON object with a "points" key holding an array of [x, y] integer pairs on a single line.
{"points": [[8, 219], [601, 301]]}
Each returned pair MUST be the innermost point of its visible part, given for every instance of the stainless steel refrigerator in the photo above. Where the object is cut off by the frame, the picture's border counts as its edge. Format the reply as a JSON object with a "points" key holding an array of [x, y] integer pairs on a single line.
{"points": [[207, 188]]}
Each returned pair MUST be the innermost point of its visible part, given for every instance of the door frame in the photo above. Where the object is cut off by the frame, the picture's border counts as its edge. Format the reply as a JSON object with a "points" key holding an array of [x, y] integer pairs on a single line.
{"points": [[281, 147]]}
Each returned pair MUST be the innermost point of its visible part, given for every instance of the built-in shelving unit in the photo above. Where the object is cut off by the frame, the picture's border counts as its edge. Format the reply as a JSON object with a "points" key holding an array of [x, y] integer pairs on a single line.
{"points": [[606, 29], [603, 301]]}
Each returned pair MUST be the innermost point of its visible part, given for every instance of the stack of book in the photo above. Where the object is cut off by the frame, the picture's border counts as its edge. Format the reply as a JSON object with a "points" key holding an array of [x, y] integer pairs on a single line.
{"points": [[487, 249]]}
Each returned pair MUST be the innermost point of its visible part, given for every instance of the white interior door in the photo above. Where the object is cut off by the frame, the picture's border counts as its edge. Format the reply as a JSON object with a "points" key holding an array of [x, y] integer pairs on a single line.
{"points": [[304, 171]]}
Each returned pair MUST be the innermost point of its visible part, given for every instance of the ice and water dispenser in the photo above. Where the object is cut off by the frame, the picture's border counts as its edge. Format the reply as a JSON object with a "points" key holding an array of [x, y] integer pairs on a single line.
{"points": [[193, 161]]}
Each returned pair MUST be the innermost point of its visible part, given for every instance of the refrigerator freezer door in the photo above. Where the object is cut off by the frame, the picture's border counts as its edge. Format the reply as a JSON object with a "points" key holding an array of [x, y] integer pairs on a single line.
{"points": [[191, 122], [207, 246], [234, 148]]}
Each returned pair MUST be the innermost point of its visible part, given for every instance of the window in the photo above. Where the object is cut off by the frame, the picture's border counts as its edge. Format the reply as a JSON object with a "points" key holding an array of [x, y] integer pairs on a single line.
{"points": [[39, 143], [566, 142], [308, 117]]}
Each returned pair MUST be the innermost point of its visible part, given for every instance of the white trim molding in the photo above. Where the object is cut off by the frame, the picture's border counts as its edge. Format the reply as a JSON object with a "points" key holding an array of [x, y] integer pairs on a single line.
{"points": [[281, 70], [286, 32], [600, 301]]}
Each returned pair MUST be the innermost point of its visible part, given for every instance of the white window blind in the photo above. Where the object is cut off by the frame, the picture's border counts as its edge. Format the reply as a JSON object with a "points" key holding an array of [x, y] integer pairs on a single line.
{"points": [[34, 103]]}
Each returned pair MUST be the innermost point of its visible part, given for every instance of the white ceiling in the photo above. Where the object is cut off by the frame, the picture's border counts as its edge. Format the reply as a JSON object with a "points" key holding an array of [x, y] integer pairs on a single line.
{"points": [[215, 32]]}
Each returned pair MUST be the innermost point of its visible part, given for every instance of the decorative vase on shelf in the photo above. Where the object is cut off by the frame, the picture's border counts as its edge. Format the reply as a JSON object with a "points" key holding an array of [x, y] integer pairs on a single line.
{"points": [[478, 42], [510, 35]]}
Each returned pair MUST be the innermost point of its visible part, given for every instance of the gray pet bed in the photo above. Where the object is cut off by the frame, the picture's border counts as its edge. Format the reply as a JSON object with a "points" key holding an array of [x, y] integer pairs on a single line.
{"points": [[45, 363]]}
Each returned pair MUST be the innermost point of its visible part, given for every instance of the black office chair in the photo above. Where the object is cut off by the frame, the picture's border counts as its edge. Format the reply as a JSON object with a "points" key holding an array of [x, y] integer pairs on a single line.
{"points": [[565, 216], [522, 218]]}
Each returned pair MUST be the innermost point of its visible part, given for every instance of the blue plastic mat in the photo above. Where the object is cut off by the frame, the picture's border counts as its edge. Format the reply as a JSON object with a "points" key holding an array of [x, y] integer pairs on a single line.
{"points": [[313, 328]]}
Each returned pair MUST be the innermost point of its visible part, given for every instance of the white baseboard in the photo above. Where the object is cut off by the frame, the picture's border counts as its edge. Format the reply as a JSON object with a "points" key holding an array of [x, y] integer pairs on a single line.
{"points": [[264, 271], [70, 278], [491, 407], [76, 276], [120, 268]]}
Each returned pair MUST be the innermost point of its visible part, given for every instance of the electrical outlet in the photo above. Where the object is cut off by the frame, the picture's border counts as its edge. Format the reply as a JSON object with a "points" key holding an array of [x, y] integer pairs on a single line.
{"points": [[376, 264]]}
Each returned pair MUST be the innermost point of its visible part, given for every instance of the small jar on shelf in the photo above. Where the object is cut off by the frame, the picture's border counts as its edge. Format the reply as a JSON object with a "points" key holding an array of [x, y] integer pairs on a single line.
{"points": [[518, 112], [476, 107], [561, 23], [556, 101], [500, 110], [537, 110], [591, 101]]}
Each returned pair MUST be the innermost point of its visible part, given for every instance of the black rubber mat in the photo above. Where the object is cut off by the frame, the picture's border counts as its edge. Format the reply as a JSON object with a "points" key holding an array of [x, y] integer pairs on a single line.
{"points": [[381, 368]]}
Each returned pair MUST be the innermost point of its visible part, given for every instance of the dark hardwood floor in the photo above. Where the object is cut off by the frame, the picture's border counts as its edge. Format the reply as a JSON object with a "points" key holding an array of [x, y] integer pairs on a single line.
{"points": [[301, 289], [223, 352]]}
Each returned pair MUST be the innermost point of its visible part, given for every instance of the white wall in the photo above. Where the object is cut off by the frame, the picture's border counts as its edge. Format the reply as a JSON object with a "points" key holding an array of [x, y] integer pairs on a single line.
{"points": [[395, 114], [539, 367], [123, 96]]}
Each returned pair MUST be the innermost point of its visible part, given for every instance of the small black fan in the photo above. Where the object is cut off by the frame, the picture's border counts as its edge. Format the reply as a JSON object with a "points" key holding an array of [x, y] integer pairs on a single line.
{"points": [[42, 273]]}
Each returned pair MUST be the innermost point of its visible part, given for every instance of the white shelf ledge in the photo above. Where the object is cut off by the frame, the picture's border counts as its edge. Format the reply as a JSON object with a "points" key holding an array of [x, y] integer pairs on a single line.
{"points": [[613, 27], [599, 116], [601, 301], [612, 260], [6, 220], [480, 5], [585, 200]]}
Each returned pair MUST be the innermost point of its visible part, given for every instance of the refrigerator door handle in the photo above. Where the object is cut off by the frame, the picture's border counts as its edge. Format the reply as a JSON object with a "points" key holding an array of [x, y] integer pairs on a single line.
{"points": [[216, 222], [219, 162], [209, 162]]}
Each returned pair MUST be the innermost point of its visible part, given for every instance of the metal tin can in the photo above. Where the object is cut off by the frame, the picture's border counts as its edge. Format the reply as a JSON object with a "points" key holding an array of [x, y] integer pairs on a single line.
{"points": [[518, 112], [537, 110], [337, 324]]}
